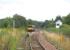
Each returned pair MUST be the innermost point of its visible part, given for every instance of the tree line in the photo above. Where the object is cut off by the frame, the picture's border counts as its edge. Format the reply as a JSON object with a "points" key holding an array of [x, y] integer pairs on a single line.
{"points": [[20, 21], [17, 21]]}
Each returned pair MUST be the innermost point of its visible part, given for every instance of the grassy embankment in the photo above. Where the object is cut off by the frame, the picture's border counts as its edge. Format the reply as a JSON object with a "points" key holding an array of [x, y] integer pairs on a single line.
{"points": [[9, 38], [65, 30], [59, 38]]}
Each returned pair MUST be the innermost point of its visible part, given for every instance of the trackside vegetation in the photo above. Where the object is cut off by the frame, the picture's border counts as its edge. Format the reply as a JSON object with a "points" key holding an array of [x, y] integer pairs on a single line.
{"points": [[12, 29]]}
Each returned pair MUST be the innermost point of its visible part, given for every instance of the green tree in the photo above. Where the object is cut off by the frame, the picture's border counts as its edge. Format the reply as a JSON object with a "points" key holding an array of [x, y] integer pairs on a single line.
{"points": [[67, 19], [30, 22], [48, 23], [58, 18], [7, 22], [19, 20]]}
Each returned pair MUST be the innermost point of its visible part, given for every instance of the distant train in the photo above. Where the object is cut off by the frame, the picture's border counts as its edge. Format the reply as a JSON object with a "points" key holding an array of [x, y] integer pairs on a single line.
{"points": [[31, 28]]}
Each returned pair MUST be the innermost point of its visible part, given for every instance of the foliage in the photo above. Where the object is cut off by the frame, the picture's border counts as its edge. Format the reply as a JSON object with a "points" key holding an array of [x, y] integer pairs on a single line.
{"points": [[58, 18], [9, 39], [48, 24], [67, 19], [65, 30], [19, 21], [60, 41]]}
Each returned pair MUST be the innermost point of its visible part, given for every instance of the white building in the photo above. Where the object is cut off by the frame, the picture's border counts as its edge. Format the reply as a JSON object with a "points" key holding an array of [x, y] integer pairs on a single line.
{"points": [[58, 23]]}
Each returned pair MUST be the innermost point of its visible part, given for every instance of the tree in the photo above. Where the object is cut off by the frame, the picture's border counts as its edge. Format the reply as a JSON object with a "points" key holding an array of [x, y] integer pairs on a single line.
{"points": [[48, 23], [29, 22], [67, 19], [7, 22], [45, 24], [19, 20], [58, 18]]}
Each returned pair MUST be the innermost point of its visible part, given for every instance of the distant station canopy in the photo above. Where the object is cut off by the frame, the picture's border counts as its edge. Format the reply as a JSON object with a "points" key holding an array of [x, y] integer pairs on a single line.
{"points": [[30, 28]]}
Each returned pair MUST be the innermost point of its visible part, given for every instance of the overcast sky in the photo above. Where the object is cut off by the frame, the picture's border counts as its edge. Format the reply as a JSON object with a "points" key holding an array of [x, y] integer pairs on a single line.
{"points": [[34, 9]]}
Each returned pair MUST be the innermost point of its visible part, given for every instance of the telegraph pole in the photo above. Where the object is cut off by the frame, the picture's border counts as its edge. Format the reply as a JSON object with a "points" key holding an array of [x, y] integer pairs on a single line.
{"points": [[13, 24], [14, 33]]}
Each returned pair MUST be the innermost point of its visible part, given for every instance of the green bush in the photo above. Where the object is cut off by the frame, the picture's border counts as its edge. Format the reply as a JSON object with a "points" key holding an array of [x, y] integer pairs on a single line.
{"points": [[65, 30]]}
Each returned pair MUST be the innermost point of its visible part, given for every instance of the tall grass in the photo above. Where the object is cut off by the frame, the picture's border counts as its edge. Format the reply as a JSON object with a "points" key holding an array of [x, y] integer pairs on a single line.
{"points": [[59, 41], [10, 37], [3, 38]]}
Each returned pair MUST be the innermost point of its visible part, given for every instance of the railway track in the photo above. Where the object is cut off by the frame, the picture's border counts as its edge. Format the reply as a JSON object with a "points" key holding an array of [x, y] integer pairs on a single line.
{"points": [[30, 43], [35, 41], [35, 45]]}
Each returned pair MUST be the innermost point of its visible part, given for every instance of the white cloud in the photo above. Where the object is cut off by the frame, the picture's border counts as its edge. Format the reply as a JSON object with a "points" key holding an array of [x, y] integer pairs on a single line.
{"points": [[35, 9]]}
